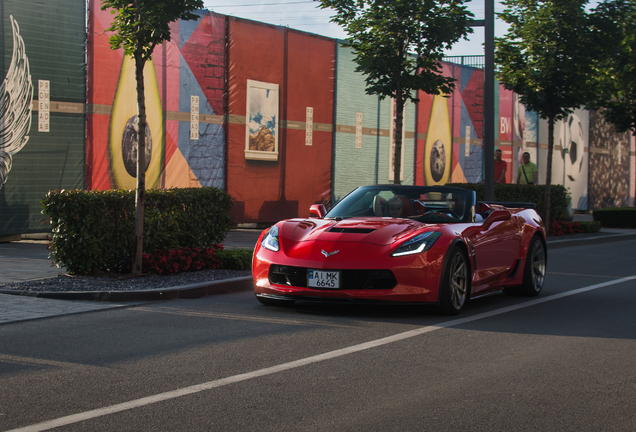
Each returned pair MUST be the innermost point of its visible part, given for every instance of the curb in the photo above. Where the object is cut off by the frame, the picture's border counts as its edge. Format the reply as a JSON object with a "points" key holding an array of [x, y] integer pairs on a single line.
{"points": [[191, 291]]}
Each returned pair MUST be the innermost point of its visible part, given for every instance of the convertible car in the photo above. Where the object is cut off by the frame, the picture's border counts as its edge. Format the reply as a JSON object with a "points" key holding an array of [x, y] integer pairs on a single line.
{"points": [[409, 244]]}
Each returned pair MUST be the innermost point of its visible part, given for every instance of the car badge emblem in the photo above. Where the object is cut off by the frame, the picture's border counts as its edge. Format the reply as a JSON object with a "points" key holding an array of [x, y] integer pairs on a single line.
{"points": [[329, 254]]}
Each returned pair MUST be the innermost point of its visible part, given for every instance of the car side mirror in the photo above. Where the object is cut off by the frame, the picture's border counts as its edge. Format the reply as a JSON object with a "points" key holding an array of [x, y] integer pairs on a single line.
{"points": [[317, 211], [496, 216]]}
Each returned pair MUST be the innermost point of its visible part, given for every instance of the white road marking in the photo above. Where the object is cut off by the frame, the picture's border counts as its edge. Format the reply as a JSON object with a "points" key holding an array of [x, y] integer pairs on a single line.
{"points": [[87, 415]]}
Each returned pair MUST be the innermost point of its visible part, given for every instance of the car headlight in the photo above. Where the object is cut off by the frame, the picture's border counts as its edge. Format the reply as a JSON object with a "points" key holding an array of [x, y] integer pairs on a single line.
{"points": [[271, 240], [417, 244]]}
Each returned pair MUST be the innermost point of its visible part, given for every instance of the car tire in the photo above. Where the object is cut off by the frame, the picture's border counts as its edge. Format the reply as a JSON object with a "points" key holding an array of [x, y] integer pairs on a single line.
{"points": [[455, 288], [534, 271], [274, 302]]}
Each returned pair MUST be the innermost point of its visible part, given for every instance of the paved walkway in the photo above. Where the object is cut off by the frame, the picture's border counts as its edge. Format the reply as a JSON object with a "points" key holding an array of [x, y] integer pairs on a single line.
{"points": [[20, 308], [28, 260]]}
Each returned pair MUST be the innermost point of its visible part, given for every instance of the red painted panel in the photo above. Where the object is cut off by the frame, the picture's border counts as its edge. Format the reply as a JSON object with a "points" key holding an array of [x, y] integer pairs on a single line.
{"points": [[207, 64], [303, 67], [423, 117], [473, 96], [311, 77], [256, 52], [506, 128]]}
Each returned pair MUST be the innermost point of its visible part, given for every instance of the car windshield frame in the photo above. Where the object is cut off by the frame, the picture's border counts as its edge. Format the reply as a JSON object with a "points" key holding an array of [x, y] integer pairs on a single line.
{"points": [[426, 204]]}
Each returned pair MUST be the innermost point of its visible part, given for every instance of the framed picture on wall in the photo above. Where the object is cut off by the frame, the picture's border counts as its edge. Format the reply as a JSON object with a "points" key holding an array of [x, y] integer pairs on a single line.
{"points": [[261, 121]]}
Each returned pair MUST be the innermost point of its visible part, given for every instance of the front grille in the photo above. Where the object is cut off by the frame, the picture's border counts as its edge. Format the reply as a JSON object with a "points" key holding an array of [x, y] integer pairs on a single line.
{"points": [[349, 279]]}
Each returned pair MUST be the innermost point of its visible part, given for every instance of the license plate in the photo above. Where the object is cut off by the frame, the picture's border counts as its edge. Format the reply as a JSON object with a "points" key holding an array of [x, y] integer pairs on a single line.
{"points": [[323, 279]]}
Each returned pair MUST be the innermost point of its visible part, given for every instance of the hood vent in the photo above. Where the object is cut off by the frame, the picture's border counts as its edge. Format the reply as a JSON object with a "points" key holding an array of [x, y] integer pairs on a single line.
{"points": [[352, 230]]}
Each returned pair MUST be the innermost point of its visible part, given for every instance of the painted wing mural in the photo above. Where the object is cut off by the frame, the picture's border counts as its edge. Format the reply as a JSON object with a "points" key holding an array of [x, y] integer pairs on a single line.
{"points": [[16, 104]]}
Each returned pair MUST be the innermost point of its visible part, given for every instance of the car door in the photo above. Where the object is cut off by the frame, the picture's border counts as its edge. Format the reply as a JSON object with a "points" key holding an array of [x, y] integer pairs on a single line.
{"points": [[496, 243]]}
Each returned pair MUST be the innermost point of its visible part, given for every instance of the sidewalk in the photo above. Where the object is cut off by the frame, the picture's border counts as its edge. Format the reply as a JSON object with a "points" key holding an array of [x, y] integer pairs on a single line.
{"points": [[28, 260]]}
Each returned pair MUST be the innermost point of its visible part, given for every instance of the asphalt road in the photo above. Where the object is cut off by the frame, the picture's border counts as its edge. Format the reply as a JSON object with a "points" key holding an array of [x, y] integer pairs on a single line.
{"points": [[564, 361]]}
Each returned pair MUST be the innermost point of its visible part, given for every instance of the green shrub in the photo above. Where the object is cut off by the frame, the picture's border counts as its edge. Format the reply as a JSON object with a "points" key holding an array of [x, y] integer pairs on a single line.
{"points": [[93, 231], [559, 196], [590, 227], [235, 259], [616, 217]]}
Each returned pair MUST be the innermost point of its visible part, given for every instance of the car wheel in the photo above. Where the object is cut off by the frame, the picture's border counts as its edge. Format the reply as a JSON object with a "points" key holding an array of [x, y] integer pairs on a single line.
{"points": [[534, 271], [455, 284], [274, 302]]}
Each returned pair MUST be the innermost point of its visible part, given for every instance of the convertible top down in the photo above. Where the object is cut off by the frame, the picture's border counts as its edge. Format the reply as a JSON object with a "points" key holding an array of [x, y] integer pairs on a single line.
{"points": [[391, 243]]}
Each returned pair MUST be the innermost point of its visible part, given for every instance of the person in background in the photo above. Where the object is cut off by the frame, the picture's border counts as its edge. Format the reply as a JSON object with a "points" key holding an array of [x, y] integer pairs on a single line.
{"points": [[501, 166], [528, 172]]}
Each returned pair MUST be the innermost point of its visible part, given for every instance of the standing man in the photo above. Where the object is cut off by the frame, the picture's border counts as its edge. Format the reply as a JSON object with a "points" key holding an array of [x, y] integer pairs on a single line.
{"points": [[528, 172], [501, 166]]}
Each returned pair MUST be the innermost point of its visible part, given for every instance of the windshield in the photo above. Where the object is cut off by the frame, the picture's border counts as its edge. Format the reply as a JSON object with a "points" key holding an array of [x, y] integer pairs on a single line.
{"points": [[425, 204]]}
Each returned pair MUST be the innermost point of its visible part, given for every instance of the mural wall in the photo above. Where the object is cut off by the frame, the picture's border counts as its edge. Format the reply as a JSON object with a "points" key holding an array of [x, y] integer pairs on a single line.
{"points": [[184, 90], [364, 140], [42, 121], [611, 165], [280, 106], [277, 117]]}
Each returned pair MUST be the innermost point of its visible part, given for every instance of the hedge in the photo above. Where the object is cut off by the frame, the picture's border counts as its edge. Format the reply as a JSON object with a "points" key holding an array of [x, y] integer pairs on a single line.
{"points": [[93, 231], [235, 259], [616, 217], [559, 196]]}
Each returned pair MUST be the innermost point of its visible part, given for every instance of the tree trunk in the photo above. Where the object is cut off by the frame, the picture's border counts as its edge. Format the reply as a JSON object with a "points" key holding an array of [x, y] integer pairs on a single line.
{"points": [[397, 129], [548, 177], [141, 163]]}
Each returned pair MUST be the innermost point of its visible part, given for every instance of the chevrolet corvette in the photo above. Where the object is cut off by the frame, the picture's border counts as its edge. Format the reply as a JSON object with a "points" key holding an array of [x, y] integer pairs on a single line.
{"points": [[408, 244]]}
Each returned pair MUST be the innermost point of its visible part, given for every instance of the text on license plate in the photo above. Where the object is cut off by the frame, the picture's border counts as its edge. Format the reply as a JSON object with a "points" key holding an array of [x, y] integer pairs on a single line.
{"points": [[323, 279]]}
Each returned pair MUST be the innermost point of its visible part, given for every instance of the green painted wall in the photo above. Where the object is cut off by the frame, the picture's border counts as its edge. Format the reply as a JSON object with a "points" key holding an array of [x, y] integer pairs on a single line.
{"points": [[369, 164], [54, 38]]}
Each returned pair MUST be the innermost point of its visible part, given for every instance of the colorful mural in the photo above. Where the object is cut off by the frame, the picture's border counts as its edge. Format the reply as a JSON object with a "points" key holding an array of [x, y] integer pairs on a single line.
{"points": [[450, 131], [609, 165], [439, 144], [277, 117], [570, 164], [184, 91]]}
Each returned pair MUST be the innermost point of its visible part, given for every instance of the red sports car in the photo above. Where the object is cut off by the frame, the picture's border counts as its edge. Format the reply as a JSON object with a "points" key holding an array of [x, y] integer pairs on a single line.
{"points": [[408, 244]]}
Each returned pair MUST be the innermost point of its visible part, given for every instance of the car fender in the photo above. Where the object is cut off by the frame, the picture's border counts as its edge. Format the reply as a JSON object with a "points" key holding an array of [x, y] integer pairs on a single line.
{"points": [[456, 242]]}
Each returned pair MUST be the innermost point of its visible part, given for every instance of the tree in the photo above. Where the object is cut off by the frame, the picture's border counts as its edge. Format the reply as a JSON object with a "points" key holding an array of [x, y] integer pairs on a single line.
{"points": [[614, 29], [141, 25], [399, 45], [546, 58]]}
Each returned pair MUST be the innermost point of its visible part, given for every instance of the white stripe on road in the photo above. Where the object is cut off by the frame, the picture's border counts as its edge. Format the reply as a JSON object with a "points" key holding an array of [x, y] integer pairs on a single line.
{"points": [[76, 418]]}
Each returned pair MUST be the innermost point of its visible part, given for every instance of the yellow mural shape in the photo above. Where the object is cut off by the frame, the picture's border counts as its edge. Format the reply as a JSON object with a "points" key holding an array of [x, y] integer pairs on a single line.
{"points": [[178, 173], [439, 143], [124, 127]]}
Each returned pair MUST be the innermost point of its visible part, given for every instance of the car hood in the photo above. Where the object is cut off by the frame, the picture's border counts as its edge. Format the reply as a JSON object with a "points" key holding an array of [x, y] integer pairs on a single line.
{"points": [[377, 231]]}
